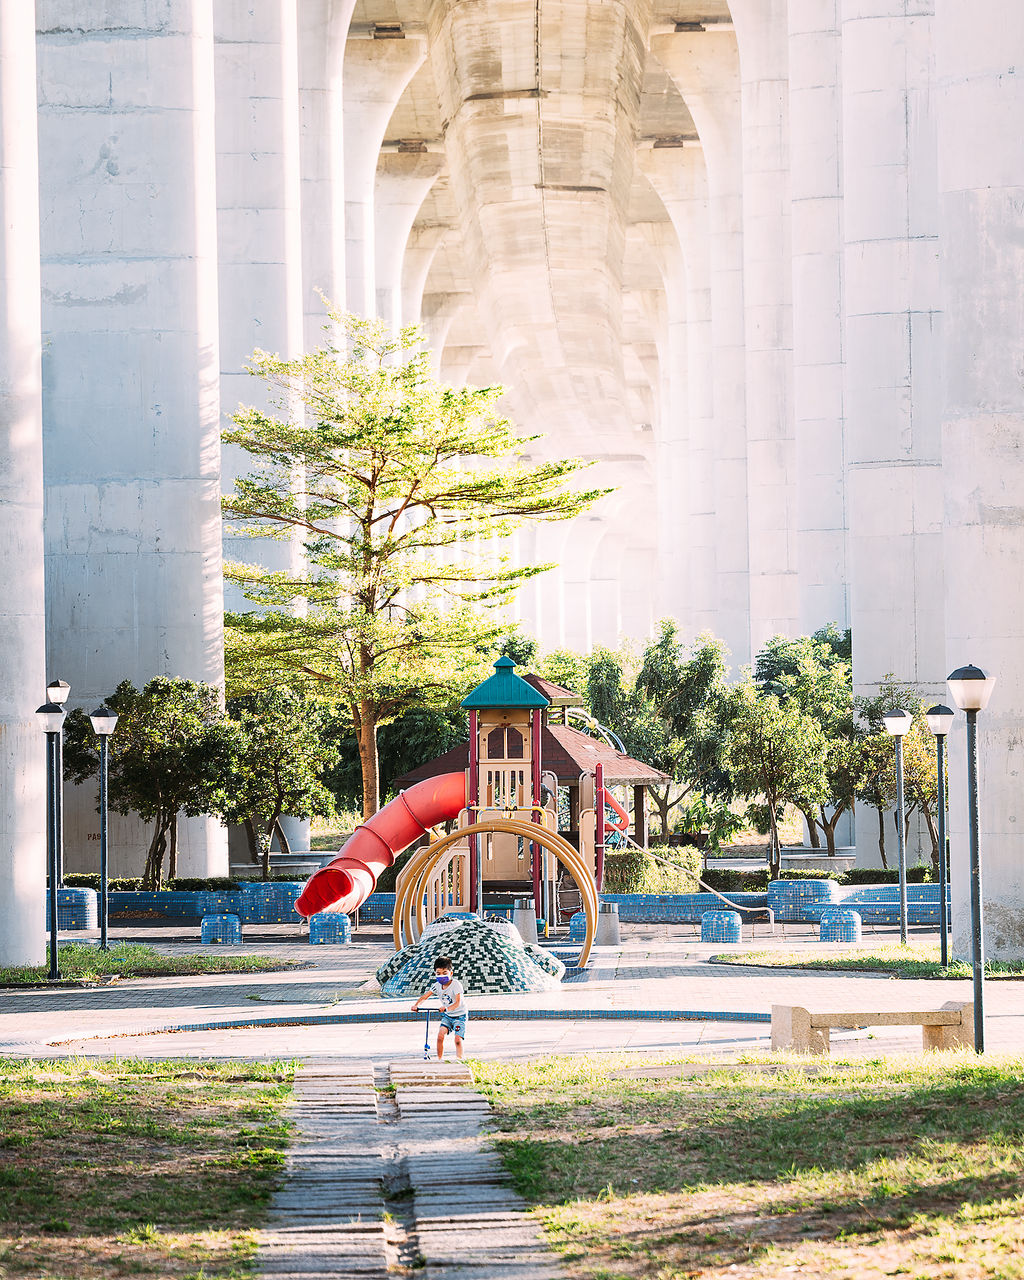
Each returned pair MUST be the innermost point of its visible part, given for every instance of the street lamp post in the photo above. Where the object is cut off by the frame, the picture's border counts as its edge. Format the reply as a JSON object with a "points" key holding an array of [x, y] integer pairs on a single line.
{"points": [[57, 692], [896, 725], [103, 721], [940, 718], [971, 689], [51, 721]]}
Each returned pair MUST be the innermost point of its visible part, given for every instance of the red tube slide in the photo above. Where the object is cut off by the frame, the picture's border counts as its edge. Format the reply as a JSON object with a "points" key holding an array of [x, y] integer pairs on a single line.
{"points": [[348, 881]]}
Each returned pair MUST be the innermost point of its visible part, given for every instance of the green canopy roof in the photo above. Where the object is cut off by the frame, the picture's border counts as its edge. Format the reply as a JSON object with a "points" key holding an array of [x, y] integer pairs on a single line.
{"points": [[504, 689]]}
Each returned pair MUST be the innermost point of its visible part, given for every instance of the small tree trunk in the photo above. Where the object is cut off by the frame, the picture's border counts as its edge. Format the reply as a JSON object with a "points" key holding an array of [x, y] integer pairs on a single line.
{"points": [[881, 838], [172, 868], [155, 856], [253, 840], [266, 836], [933, 836], [812, 828], [662, 807], [775, 846], [367, 731]]}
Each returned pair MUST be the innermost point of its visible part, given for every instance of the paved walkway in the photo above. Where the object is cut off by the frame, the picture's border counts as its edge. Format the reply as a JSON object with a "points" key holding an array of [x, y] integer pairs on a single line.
{"points": [[377, 1183], [657, 968]]}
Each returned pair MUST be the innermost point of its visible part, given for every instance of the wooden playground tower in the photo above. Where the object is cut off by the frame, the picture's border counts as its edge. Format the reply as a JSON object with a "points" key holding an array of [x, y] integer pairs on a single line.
{"points": [[508, 829]]}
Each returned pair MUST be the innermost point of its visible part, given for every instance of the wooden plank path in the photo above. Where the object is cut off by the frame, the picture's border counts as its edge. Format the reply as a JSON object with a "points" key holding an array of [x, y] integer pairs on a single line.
{"points": [[380, 1183]]}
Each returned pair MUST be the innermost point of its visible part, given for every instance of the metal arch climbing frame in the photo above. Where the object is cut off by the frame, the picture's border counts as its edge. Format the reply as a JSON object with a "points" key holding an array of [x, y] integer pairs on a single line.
{"points": [[408, 920]]}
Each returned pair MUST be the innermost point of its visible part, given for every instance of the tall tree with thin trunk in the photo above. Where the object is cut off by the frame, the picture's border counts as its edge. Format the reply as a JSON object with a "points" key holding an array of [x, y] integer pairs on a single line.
{"points": [[403, 492]]}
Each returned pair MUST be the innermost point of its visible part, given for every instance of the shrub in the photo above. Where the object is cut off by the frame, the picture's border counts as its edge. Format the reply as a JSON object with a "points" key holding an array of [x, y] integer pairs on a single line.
{"points": [[633, 871], [801, 874], [920, 874], [83, 880], [197, 884], [730, 880]]}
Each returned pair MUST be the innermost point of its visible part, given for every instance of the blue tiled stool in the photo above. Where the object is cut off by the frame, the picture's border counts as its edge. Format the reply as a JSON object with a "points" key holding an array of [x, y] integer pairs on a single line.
{"points": [[221, 929], [839, 924], [720, 926], [76, 909], [330, 926]]}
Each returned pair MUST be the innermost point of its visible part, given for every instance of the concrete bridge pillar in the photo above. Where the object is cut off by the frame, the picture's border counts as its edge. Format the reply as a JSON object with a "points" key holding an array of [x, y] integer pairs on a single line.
{"points": [[23, 683], [981, 163], [679, 176], [259, 216], [130, 371], [705, 68], [892, 347], [402, 183], [817, 233], [376, 73], [761, 32]]}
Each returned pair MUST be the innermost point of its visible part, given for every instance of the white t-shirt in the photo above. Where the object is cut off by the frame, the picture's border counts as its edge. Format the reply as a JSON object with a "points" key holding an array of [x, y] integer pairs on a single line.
{"points": [[449, 995]]}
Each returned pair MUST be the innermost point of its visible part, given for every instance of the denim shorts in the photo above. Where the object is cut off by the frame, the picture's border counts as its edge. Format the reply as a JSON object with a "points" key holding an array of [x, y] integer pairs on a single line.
{"points": [[455, 1022]]}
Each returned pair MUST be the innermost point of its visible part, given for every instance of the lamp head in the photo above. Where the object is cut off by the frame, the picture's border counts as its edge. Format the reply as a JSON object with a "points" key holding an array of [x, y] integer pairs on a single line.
{"points": [[58, 691], [103, 721], [940, 719], [50, 717], [970, 688], [897, 722]]}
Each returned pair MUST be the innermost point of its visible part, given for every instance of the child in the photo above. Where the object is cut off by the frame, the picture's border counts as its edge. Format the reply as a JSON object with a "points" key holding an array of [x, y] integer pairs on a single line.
{"points": [[448, 990]]}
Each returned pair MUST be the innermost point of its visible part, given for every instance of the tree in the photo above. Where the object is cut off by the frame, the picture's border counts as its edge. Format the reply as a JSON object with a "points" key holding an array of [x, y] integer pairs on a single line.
{"points": [[667, 705], [777, 753], [280, 756], [920, 766], [816, 672], [402, 491], [170, 754]]}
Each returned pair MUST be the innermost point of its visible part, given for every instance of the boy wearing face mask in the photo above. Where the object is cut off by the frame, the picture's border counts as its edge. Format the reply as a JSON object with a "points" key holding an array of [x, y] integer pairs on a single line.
{"points": [[448, 990]]}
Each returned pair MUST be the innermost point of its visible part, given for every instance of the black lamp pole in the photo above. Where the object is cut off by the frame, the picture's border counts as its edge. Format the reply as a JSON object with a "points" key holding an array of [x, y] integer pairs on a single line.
{"points": [[940, 747], [103, 721], [971, 689], [940, 718], [51, 720]]}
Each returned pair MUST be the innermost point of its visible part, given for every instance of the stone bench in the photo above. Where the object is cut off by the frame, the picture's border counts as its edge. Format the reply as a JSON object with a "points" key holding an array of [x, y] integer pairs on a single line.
{"points": [[951, 1027]]}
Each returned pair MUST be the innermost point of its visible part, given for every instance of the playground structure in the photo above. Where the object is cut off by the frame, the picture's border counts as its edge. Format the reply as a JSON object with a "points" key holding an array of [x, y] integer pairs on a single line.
{"points": [[503, 811]]}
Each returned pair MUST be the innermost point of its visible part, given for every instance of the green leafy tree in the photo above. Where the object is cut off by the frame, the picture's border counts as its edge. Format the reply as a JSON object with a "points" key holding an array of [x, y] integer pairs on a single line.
{"points": [[281, 754], [776, 754], [816, 672], [402, 491], [920, 764], [170, 755]]}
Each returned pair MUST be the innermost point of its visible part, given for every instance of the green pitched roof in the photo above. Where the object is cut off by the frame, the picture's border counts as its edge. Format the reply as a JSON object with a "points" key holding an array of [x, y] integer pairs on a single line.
{"points": [[503, 689]]}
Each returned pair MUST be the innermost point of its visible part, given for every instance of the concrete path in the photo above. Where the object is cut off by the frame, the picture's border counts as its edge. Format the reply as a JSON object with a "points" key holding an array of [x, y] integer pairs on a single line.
{"points": [[391, 1172]]}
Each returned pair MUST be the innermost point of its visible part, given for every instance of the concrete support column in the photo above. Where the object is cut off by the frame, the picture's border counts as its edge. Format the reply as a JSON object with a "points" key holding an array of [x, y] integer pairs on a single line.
{"points": [[402, 183], [375, 76], [323, 32], [679, 176], [130, 371], [815, 115], [892, 348], [705, 68], [259, 198], [23, 682], [420, 250], [761, 29], [979, 47]]}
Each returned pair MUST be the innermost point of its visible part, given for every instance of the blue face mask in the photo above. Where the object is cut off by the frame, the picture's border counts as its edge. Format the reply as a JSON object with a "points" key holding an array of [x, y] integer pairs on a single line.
{"points": [[443, 981]]}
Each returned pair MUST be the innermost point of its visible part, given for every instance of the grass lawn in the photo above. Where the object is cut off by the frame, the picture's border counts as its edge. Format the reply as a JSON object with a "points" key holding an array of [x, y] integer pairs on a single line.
{"points": [[133, 1168], [859, 1170], [80, 962], [911, 961]]}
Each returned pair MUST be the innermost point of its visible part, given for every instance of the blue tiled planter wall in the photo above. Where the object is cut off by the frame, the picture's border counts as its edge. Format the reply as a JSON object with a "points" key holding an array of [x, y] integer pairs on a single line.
{"points": [[880, 903], [254, 904]]}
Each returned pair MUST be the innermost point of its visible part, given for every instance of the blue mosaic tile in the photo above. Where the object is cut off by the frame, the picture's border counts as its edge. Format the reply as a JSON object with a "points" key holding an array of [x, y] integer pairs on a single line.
{"points": [[329, 927], [76, 909], [221, 928], [720, 926], [839, 924]]}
